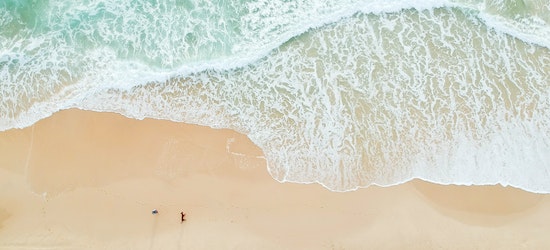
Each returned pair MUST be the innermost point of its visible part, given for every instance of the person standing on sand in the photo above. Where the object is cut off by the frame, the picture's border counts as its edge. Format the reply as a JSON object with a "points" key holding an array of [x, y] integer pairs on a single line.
{"points": [[182, 217]]}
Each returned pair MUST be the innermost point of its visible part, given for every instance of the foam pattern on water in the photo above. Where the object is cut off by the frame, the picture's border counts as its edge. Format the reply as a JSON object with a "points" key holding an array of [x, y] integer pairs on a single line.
{"points": [[55, 53], [526, 20], [377, 99]]}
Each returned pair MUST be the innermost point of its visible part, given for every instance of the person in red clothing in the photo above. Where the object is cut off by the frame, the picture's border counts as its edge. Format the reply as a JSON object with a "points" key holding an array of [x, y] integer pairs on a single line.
{"points": [[182, 217]]}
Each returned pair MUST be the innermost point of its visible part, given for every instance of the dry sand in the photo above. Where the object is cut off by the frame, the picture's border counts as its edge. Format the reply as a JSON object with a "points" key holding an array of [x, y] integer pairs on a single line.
{"points": [[86, 180]]}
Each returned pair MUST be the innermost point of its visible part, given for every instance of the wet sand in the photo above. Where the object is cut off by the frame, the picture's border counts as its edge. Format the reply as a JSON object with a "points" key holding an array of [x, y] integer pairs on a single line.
{"points": [[87, 180]]}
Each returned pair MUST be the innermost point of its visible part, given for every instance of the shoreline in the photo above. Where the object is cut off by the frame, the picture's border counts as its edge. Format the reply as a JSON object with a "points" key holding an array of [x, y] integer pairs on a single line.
{"points": [[82, 179]]}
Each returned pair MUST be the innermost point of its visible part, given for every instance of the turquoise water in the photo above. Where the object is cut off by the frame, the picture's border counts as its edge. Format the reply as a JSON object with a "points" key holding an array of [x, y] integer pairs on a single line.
{"points": [[346, 94]]}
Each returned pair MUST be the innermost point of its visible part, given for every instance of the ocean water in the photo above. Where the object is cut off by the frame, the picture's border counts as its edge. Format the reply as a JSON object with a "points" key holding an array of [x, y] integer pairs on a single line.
{"points": [[342, 93]]}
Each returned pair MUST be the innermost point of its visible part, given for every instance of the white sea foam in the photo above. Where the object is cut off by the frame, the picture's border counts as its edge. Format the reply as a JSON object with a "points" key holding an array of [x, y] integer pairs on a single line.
{"points": [[266, 25], [530, 29]]}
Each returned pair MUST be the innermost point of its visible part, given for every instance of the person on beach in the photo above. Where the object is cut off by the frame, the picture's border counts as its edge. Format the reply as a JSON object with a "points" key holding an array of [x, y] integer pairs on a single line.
{"points": [[182, 217], [155, 211]]}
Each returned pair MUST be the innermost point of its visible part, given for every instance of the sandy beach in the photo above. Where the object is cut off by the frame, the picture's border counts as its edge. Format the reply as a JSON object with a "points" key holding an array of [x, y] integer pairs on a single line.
{"points": [[87, 180]]}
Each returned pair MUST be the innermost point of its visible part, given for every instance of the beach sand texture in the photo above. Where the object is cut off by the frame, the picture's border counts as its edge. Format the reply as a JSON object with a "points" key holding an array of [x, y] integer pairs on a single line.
{"points": [[86, 180]]}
